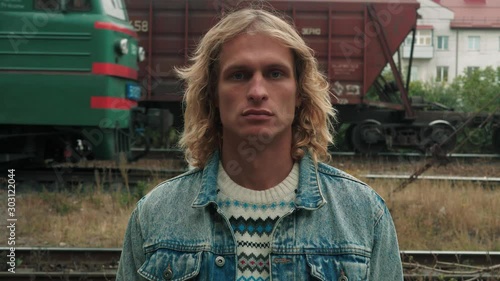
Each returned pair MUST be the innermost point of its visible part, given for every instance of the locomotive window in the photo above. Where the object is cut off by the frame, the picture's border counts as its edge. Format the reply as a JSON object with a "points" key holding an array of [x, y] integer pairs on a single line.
{"points": [[115, 8], [55, 5], [79, 5], [47, 5]]}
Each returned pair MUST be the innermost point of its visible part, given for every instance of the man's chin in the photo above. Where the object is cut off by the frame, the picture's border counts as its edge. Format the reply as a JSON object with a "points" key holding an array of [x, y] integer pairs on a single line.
{"points": [[261, 134]]}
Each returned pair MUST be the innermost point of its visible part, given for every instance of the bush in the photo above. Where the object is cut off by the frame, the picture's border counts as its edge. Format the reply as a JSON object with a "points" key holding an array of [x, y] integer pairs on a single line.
{"points": [[478, 91]]}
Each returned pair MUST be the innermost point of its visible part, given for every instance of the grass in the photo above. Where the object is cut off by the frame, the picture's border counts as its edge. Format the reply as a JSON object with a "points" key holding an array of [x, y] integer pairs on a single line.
{"points": [[428, 215], [83, 217], [444, 215], [64, 219]]}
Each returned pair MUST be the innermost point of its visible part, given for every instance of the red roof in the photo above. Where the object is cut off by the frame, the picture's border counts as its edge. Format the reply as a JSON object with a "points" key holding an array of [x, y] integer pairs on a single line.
{"points": [[474, 13]]}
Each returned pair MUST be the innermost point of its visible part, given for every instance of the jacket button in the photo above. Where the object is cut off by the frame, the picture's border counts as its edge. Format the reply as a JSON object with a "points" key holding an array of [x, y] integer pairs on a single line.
{"points": [[168, 274], [220, 261], [343, 278]]}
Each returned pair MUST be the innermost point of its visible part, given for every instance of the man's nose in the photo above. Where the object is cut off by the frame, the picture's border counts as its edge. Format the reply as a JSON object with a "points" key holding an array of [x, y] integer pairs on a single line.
{"points": [[257, 91]]}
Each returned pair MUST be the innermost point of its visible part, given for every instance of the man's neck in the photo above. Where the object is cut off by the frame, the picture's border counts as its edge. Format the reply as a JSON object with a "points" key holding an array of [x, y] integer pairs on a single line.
{"points": [[255, 166]]}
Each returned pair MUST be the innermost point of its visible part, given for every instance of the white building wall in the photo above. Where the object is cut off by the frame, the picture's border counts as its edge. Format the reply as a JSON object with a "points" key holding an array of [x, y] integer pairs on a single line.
{"points": [[435, 15], [458, 57], [488, 53]]}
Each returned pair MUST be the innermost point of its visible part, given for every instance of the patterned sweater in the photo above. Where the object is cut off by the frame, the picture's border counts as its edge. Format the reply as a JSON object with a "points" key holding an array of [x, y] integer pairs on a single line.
{"points": [[252, 215]]}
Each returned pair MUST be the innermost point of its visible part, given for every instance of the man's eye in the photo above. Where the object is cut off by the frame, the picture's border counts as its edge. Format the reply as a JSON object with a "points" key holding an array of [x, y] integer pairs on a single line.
{"points": [[275, 74], [238, 76]]}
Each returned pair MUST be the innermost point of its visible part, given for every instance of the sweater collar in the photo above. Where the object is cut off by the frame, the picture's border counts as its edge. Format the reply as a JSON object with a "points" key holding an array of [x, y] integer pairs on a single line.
{"points": [[308, 196]]}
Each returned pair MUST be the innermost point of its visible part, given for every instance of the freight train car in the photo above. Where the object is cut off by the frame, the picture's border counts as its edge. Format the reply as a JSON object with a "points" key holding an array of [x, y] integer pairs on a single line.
{"points": [[353, 41], [68, 76], [74, 78]]}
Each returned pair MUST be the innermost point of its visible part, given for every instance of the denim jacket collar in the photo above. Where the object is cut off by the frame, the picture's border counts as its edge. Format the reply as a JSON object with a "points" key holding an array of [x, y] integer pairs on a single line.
{"points": [[308, 197]]}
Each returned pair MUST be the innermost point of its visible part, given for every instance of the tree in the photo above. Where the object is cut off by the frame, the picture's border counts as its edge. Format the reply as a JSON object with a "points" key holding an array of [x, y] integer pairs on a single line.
{"points": [[479, 90]]}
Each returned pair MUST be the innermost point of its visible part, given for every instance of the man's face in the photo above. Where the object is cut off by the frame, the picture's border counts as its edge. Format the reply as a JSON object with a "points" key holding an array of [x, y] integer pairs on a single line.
{"points": [[257, 92]]}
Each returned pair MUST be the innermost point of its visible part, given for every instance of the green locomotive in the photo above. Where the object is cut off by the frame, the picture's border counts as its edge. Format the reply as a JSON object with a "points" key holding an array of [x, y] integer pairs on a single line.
{"points": [[68, 79]]}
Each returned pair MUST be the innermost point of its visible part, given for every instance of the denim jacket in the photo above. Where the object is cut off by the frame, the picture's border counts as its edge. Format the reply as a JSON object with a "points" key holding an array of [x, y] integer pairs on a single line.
{"points": [[340, 229]]}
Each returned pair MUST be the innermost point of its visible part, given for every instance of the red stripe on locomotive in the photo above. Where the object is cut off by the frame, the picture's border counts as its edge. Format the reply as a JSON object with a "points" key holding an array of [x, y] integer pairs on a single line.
{"points": [[104, 68], [111, 103], [115, 27]]}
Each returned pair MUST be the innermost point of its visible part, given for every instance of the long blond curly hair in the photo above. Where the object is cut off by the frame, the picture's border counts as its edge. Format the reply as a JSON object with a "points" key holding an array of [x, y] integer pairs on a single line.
{"points": [[312, 127]]}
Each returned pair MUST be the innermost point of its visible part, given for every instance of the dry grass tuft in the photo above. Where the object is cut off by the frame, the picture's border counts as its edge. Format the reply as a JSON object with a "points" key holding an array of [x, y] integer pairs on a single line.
{"points": [[432, 215], [89, 218], [63, 219]]}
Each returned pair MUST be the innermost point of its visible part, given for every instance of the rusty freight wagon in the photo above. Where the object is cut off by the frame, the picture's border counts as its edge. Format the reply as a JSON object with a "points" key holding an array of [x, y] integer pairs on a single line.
{"points": [[353, 41]]}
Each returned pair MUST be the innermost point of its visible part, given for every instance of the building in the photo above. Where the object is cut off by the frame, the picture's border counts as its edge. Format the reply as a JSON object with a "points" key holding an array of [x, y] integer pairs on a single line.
{"points": [[453, 37]]}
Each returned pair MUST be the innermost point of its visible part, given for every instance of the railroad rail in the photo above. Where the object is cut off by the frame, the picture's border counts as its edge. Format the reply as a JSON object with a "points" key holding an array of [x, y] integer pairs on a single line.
{"points": [[73, 175], [419, 155], [155, 153], [435, 177], [101, 264]]}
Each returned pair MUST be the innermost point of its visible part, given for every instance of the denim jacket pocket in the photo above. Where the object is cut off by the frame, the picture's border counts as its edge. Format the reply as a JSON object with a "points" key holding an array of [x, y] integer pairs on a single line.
{"points": [[170, 265], [339, 267]]}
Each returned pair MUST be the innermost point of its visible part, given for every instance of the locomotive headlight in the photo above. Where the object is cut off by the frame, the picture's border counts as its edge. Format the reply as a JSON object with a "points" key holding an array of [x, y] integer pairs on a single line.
{"points": [[122, 46], [141, 54]]}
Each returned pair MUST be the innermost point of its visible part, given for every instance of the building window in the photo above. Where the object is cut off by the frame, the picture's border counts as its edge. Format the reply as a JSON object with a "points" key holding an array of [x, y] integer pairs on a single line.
{"points": [[474, 42], [442, 43], [442, 74], [408, 40], [472, 69], [422, 38], [414, 74]]}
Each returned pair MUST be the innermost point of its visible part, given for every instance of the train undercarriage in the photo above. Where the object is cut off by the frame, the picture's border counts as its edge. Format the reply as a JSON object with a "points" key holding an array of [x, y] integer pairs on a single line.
{"points": [[376, 131], [30, 145]]}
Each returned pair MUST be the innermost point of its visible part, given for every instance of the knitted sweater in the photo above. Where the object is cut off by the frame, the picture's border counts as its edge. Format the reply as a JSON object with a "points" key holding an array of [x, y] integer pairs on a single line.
{"points": [[253, 215]]}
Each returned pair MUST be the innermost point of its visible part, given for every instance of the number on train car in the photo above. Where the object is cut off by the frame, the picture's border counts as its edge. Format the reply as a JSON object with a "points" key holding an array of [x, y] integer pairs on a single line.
{"points": [[311, 31], [140, 25]]}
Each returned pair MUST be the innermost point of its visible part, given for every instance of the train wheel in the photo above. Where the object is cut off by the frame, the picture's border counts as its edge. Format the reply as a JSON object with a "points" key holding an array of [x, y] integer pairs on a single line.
{"points": [[368, 138], [441, 134], [348, 137]]}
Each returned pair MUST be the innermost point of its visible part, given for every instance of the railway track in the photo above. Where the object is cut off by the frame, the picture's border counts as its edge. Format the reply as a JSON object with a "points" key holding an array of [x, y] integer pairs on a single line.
{"points": [[420, 155], [101, 264], [75, 175], [108, 173], [112, 176], [159, 153], [435, 178], [62, 264]]}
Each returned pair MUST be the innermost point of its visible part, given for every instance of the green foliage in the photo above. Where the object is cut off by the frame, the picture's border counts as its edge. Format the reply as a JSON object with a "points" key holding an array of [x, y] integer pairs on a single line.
{"points": [[126, 199], [479, 90], [141, 189], [436, 93], [61, 202], [474, 92], [469, 92]]}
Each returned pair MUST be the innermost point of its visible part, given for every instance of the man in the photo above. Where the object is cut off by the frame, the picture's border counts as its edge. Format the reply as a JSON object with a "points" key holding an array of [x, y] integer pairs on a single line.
{"points": [[259, 205]]}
